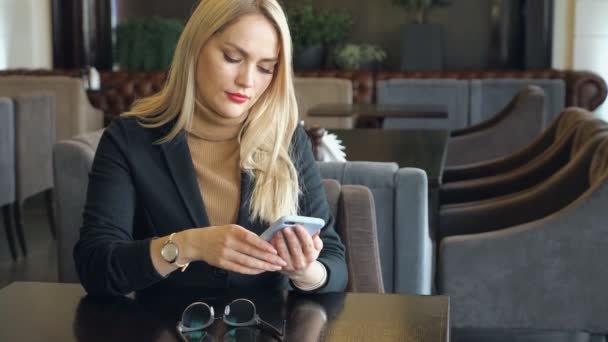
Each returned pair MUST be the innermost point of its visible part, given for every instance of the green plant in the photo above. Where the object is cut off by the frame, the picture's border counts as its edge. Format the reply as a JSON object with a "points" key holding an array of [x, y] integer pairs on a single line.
{"points": [[309, 28], [420, 8], [353, 56], [146, 43]]}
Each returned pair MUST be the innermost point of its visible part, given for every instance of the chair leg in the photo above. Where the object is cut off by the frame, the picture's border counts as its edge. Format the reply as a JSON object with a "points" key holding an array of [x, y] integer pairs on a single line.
{"points": [[19, 226], [8, 226], [50, 209]]}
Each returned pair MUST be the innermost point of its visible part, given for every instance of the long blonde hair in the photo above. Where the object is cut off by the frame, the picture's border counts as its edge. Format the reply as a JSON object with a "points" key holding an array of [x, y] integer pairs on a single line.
{"points": [[268, 130]]}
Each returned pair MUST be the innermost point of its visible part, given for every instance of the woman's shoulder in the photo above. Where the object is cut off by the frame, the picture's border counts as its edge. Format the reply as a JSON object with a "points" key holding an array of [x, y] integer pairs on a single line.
{"points": [[300, 138], [130, 128]]}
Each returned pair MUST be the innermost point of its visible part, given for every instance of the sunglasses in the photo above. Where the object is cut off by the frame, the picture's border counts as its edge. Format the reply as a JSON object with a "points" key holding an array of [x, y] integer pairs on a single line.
{"points": [[239, 313]]}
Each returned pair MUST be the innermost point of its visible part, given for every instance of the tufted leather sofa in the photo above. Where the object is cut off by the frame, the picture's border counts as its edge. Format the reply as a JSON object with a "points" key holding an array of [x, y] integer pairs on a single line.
{"points": [[120, 88]]}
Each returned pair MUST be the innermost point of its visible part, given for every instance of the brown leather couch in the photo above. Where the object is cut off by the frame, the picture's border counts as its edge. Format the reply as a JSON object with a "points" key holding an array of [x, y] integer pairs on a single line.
{"points": [[120, 88]]}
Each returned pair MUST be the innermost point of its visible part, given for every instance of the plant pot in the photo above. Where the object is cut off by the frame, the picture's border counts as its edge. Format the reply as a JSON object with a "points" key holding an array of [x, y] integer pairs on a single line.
{"points": [[309, 58], [421, 47], [369, 65]]}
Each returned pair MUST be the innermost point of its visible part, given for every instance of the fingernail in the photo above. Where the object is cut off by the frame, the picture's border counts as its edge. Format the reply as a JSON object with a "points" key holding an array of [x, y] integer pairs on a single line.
{"points": [[274, 251], [277, 268], [282, 262]]}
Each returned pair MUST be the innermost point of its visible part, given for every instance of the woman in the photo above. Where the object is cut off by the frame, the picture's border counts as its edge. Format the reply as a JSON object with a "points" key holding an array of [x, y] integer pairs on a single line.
{"points": [[192, 175]]}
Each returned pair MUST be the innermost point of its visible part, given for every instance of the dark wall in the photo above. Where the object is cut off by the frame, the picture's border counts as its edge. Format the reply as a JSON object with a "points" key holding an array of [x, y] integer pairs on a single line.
{"points": [[466, 24], [162, 8]]}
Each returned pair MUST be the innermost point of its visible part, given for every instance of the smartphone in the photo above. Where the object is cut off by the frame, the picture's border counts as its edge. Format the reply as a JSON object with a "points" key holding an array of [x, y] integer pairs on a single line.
{"points": [[311, 224]]}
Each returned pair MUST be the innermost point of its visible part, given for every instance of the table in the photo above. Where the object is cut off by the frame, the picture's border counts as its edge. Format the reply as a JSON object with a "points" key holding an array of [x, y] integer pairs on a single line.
{"points": [[372, 115], [62, 312]]}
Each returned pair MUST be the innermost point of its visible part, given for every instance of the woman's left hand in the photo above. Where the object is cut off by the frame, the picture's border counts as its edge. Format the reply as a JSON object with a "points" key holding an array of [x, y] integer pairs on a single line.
{"points": [[298, 249]]}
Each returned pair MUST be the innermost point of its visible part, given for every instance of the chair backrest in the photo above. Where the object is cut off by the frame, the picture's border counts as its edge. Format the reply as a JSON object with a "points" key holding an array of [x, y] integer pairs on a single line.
{"points": [[353, 208], [72, 161], [454, 94], [489, 96], [34, 138], [7, 152], [509, 130], [75, 115], [313, 91], [400, 197]]}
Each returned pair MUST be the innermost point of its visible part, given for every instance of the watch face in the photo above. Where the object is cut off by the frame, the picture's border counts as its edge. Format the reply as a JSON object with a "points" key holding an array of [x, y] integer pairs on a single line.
{"points": [[169, 252]]}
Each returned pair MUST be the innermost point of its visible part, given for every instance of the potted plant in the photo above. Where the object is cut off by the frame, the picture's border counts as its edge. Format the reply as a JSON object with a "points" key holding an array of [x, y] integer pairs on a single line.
{"points": [[312, 32], [358, 56], [421, 42], [146, 43]]}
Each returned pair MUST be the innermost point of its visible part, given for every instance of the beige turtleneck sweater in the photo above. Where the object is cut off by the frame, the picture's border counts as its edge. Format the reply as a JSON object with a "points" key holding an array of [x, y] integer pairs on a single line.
{"points": [[215, 152]]}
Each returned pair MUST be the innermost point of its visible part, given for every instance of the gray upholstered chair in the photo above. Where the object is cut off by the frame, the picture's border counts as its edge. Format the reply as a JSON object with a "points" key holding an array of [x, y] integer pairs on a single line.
{"points": [[545, 274], [352, 206], [7, 169], [538, 201], [488, 96], [75, 114], [509, 130], [454, 94], [400, 195], [525, 176], [34, 139], [562, 124]]}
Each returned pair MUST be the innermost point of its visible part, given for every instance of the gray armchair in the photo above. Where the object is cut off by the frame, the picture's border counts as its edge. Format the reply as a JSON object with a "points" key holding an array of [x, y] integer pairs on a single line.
{"points": [[352, 206], [511, 129], [546, 274], [34, 139], [451, 93], [7, 169], [401, 199], [488, 96], [525, 176], [562, 124], [538, 201]]}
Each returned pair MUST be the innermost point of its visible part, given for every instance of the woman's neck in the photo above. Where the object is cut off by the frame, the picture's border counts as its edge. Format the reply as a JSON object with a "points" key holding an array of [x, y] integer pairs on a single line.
{"points": [[209, 125]]}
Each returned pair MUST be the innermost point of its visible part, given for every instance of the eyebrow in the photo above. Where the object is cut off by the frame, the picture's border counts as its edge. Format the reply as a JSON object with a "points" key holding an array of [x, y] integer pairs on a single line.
{"points": [[246, 54]]}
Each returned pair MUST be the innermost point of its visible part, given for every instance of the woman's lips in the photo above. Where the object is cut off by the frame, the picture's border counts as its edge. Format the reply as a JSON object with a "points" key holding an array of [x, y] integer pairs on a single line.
{"points": [[238, 98]]}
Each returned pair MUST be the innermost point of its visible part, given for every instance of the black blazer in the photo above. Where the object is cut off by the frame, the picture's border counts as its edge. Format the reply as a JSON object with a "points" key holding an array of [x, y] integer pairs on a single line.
{"points": [[139, 190]]}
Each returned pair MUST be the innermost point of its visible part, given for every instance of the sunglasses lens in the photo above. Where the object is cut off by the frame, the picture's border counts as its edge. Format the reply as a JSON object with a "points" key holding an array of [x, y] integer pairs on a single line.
{"points": [[240, 311], [197, 315]]}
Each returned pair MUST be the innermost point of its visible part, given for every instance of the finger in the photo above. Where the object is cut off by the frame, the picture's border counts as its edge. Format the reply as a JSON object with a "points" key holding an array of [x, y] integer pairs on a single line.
{"points": [[283, 250], [234, 267], [318, 243], [246, 248], [295, 250], [254, 240], [305, 241], [248, 261]]}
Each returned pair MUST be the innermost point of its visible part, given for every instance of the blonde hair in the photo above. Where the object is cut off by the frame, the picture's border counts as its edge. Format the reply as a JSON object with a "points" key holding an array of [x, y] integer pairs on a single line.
{"points": [[268, 130]]}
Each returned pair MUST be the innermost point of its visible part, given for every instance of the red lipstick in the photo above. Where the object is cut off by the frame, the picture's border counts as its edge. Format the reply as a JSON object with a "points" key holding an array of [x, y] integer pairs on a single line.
{"points": [[237, 97]]}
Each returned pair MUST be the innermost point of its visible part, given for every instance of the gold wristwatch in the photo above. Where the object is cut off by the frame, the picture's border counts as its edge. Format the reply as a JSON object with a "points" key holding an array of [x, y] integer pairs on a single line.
{"points": [[170, 252]]}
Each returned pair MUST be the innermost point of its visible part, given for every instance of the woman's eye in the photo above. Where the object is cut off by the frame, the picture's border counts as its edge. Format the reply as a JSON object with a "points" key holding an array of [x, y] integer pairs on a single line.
{"points": [[230, 59], [265, 71]]}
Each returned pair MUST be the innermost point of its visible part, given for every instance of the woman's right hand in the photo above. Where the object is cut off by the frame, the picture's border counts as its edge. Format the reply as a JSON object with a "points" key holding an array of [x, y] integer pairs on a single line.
{"points": [[232, 248]]}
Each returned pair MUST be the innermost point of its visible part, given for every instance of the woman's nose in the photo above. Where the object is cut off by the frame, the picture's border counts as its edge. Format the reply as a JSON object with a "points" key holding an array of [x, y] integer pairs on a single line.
{"points": [[245, 77]]}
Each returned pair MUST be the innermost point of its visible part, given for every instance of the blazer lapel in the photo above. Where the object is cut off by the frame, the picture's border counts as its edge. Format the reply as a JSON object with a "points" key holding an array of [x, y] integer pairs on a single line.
{"points": [[179, 162]]}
